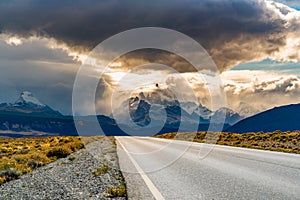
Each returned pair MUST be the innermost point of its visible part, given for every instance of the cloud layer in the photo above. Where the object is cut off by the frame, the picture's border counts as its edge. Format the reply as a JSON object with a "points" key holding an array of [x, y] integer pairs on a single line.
{"points": [[247, 92], [37, 34], [50, 74], [233, 31]]}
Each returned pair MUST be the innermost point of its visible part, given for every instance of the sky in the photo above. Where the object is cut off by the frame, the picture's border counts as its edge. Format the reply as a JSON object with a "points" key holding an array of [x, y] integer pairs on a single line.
{"points": [[255, 45]]}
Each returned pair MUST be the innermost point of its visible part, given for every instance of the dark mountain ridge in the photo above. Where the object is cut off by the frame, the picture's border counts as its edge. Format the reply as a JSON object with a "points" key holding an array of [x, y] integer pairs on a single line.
{"points": [[29, 115], [283, 118]]}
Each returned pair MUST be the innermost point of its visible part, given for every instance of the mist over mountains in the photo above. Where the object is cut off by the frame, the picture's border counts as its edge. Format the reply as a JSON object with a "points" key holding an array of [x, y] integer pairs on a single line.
{"points": [[141, 106]]}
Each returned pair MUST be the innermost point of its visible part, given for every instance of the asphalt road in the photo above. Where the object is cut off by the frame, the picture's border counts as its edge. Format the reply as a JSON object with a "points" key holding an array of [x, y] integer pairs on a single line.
{"points": [[170, 169]]}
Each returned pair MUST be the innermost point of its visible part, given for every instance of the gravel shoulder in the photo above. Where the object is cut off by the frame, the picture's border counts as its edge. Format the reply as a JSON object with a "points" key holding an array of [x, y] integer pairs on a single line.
{"points": [[90, 173]]}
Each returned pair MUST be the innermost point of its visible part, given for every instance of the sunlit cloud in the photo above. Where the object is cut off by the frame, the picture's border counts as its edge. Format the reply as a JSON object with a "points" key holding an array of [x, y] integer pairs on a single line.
{"points": [[50, 43], [14, 41], [80, 57], [116, 64]]}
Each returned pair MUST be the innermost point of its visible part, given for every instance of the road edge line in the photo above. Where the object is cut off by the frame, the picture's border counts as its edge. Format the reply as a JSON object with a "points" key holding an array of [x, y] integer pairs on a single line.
{"points": [[155, 192]]}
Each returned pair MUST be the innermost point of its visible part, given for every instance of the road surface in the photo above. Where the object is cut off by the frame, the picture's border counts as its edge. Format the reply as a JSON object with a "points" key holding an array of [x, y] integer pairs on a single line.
{"points": [[171, 169]]}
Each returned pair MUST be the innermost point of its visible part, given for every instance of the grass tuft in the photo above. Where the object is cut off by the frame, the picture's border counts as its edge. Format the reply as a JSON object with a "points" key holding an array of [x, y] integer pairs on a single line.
{"points": [[71, 158], [117, 191], [59, 152], [10, 174], [101, 170]]}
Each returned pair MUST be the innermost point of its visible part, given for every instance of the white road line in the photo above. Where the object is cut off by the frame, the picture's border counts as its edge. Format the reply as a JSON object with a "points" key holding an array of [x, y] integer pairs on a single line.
{"points": [[155, 192]]}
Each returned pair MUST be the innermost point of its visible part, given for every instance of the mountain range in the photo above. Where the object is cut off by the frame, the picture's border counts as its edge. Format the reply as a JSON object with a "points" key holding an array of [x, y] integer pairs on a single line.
{"points": [[28, 116], [140, 106]]}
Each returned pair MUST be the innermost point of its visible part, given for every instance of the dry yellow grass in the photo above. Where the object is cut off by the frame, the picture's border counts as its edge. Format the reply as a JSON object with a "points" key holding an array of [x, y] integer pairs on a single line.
{"points": [[274, 141], [117, 191], [20, 155]]}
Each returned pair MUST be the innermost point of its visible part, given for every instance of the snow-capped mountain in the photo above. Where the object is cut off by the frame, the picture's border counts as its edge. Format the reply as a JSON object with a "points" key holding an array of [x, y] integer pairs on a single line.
{"points": [[231, 117], [142, 112], [199, 110], [177, 112], [27, 98], [154, 98], [27, 104], [189, 107], [192, 107], [139, 112], [247, 110]]}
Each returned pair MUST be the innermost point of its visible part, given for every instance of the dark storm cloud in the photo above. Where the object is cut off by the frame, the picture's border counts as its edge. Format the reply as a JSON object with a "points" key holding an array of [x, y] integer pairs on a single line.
{"points": [[232, 31], [146, 56], [49, 74]]}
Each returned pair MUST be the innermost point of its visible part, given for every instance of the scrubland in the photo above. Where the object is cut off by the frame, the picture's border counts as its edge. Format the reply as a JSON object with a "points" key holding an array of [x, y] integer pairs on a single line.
{"points": [[274, 141], [20, 155]]}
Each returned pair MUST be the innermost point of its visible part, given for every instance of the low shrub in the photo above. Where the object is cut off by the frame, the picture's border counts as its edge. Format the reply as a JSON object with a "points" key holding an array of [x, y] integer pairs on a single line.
{"points": [[76, 146], [34, 164], [117, 191], [2, 180], [10, 174], [71, 158], [59, 152], [101, 170]]}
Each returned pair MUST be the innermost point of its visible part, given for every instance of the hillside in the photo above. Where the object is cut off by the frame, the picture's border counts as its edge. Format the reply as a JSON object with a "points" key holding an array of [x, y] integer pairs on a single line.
{"points": [[284, 118]]}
